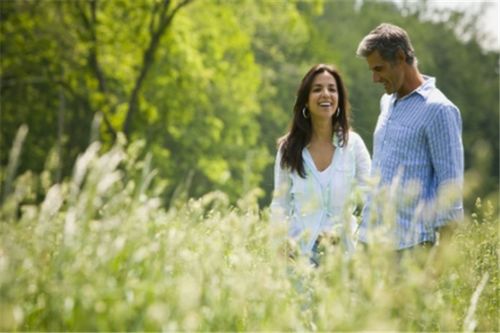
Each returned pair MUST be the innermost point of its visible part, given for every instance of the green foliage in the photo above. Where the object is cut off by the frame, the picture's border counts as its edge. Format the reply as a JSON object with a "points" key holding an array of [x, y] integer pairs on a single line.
{"points": [[93, 244], [477, 246], [218, 88], [99, 254], [211, 125]]}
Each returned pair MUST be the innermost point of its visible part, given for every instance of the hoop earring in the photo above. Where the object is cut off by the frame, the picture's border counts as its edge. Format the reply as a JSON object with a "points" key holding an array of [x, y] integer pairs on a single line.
{"points": [[304, 114], [337, 114]]}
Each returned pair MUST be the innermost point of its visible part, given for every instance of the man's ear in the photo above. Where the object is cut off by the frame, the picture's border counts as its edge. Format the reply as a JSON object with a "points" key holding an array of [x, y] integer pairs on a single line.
{"points": [[400, 56]]}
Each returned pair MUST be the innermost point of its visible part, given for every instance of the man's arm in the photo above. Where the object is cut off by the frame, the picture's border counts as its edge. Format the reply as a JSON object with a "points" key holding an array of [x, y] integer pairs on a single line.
{"points": [[444, 135]]}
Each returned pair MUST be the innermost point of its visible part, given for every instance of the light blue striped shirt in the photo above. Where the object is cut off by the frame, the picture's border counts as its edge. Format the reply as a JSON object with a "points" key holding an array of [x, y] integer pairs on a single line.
{"points": [[418, 166]]}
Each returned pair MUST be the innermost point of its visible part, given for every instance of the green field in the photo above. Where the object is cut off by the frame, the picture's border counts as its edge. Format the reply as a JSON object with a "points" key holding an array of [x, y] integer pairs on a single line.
{"points": [[101, 252], [162, 224]]}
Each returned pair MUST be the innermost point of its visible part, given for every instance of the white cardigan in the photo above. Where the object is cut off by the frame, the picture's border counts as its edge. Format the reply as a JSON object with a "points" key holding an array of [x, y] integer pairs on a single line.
{"points": [[309, 207]]}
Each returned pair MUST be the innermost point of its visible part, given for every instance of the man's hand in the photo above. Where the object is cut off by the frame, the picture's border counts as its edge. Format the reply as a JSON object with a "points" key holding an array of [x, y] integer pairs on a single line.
{"points": [[445, 233]]}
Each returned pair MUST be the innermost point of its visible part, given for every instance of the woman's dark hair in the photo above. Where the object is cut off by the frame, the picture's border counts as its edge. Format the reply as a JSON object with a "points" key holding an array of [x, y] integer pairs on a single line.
{"points": [[299, 135]]}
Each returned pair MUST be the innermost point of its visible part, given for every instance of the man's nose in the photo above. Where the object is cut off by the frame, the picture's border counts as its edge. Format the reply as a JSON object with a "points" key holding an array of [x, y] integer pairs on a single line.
{"points": [[375, 77]]}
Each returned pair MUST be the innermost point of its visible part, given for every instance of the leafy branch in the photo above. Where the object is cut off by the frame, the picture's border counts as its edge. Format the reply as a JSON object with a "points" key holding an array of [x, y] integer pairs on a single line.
{"points": [[161, 19]]}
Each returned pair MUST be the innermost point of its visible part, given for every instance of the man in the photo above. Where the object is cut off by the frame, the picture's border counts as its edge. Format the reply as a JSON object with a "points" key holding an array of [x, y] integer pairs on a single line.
{"points": [[417, 148]]}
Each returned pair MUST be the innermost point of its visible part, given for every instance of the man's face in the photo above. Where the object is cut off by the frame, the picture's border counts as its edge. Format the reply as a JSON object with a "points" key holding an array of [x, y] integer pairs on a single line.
{"points": [[389, 74]]}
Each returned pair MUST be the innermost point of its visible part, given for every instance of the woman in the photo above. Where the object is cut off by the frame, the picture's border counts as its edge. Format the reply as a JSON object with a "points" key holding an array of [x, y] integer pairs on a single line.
{"points": [[319, 161]]}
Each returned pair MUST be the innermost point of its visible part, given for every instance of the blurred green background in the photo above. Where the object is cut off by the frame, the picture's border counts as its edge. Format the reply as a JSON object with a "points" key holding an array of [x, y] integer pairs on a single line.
{"points": [[209, 85]]}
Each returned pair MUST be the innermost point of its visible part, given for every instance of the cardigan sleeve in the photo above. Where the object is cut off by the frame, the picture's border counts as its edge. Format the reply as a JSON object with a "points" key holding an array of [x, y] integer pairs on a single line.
{"points": [[362, 160], [362, 167], [280, 205]]}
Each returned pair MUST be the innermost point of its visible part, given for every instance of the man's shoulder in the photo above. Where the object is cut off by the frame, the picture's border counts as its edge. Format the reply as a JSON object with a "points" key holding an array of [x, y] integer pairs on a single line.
{"points": [[438, 106], [437, 100]]}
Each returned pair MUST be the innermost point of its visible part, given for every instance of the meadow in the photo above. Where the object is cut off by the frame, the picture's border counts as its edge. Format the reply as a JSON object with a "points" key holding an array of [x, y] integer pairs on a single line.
{"points": [[103, 252]]}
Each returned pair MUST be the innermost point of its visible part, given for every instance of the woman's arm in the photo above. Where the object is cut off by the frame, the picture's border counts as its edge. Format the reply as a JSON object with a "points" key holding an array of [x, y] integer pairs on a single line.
{"points": [[280, 205], [362, 160]]}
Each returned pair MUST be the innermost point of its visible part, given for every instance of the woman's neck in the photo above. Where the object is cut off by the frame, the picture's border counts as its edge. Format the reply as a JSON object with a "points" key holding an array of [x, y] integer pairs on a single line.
{"points": [[322, 131]]}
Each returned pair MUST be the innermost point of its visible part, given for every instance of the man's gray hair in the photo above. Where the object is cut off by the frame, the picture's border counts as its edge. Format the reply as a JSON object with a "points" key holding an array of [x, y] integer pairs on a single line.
{"points": [[387, 39]]}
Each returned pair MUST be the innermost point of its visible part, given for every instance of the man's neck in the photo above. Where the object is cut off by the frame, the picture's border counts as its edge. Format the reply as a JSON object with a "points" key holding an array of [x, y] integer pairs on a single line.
{"points": [[413, 80]]}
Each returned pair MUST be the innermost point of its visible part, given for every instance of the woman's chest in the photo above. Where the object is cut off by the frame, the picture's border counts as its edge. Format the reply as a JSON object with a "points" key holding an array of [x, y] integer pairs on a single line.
{"points": [[335, 185]]}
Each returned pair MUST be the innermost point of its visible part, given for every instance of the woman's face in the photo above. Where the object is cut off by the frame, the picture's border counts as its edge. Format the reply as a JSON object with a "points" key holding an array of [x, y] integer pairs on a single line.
{"points": [[323, 97]]}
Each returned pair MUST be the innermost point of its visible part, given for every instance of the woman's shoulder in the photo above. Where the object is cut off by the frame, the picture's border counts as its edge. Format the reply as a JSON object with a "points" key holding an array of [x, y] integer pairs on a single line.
{"points": [[354, 138]]}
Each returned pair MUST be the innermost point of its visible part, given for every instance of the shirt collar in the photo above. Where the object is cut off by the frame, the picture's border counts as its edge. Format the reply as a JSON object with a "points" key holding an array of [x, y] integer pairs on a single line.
{"points": [[423, 90], [426, 87]]}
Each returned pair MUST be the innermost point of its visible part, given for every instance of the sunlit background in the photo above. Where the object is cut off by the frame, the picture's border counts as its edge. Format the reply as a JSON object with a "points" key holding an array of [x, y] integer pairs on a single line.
{"points": [[137, 143]]}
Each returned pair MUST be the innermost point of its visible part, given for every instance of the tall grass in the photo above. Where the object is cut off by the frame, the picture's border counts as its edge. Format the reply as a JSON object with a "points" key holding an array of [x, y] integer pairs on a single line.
{"points": [[101, 252]]}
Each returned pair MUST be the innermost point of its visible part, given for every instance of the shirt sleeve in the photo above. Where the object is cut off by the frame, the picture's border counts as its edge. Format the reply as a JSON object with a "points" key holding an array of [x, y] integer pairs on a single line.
{"points": [[280, 204], [362, 161], [447, 156]]}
